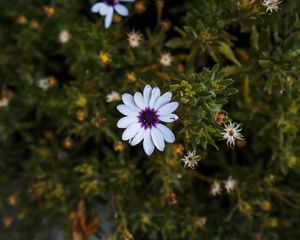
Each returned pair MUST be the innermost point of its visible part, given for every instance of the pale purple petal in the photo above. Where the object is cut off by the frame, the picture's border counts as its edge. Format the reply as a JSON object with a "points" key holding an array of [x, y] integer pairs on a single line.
{"points": [[109, 17], [129, 101], [104, 9], [147, 143], [96, 7], [157, 139], [124, 109], [137, 138], [122, 10], [125, 122], [168, 118], [166, 132], [155, 94], [147, 95], [131, 131], [168, 108], [139, 100], [162, 100]]}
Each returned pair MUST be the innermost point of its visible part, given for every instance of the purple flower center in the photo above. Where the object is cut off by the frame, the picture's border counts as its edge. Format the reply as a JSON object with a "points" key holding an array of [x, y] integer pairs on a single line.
{"points": [[148, 118], [111, 2]]}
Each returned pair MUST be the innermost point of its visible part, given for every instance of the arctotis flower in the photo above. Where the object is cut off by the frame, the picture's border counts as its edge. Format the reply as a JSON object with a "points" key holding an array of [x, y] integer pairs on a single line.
{"points": [[191, 159], [107, 8], [144, 112], [215, 189], [134, 38], [166, 59], [113, 97], [231, 132], [230, 184], [271, 5]]}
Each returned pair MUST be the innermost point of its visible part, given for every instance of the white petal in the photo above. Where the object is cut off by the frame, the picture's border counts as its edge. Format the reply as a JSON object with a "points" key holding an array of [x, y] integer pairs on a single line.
{"points": [[147, 95], [138, 138], [124, 109], [168, 118], [139, 100], [125, 122], [109, 17], [147, 143], [128, 100], [168, 108], [122, 10], [166, 132], [104, 9], [162, 100], [96, 7], [155, 94], [131, 131], [157, 139]]}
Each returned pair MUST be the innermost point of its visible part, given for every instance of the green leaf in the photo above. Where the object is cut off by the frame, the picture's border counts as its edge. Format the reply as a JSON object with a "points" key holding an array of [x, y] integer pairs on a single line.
{"points": [[226, 50], [229, 91], [230, 70], [214, 71], [175, 43], [265, 63], [254, 38], [225, 82]]}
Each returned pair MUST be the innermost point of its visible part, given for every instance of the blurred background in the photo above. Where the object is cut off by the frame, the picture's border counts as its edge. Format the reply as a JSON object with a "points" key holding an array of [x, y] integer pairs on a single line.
{"points": [[65, 173]]}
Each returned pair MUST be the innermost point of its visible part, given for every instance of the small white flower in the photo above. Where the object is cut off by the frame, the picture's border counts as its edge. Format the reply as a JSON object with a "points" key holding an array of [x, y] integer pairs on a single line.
{"points": [[200, 222], [215, 189], [134, 38], [230, 184], [4, 102], [144, 112], [43, 83], [166, 59], [231, 132], [191, 159], [113, 97], [272, 5], [64, 36], [107, 8]]}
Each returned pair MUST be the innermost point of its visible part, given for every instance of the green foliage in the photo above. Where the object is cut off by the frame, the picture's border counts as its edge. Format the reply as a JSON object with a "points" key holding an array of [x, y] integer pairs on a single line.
{"points": [[59, 144], [202, 95]]}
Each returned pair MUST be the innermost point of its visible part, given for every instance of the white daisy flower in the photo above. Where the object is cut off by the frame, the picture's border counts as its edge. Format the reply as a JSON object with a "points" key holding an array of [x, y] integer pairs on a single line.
{"points": [[4, 102], [64, 36], [215, 189], [272, 5], [144, 112], [191, 159], [230, 184], [43, 83], [166, 59], [107, 8], [134, 38], [113, 97], [200, 222], [231, 132]]}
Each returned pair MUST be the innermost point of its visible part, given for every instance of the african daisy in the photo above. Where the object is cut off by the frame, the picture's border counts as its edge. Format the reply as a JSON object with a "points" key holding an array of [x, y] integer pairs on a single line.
{"points": [[107, 8], [143, 114]]}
